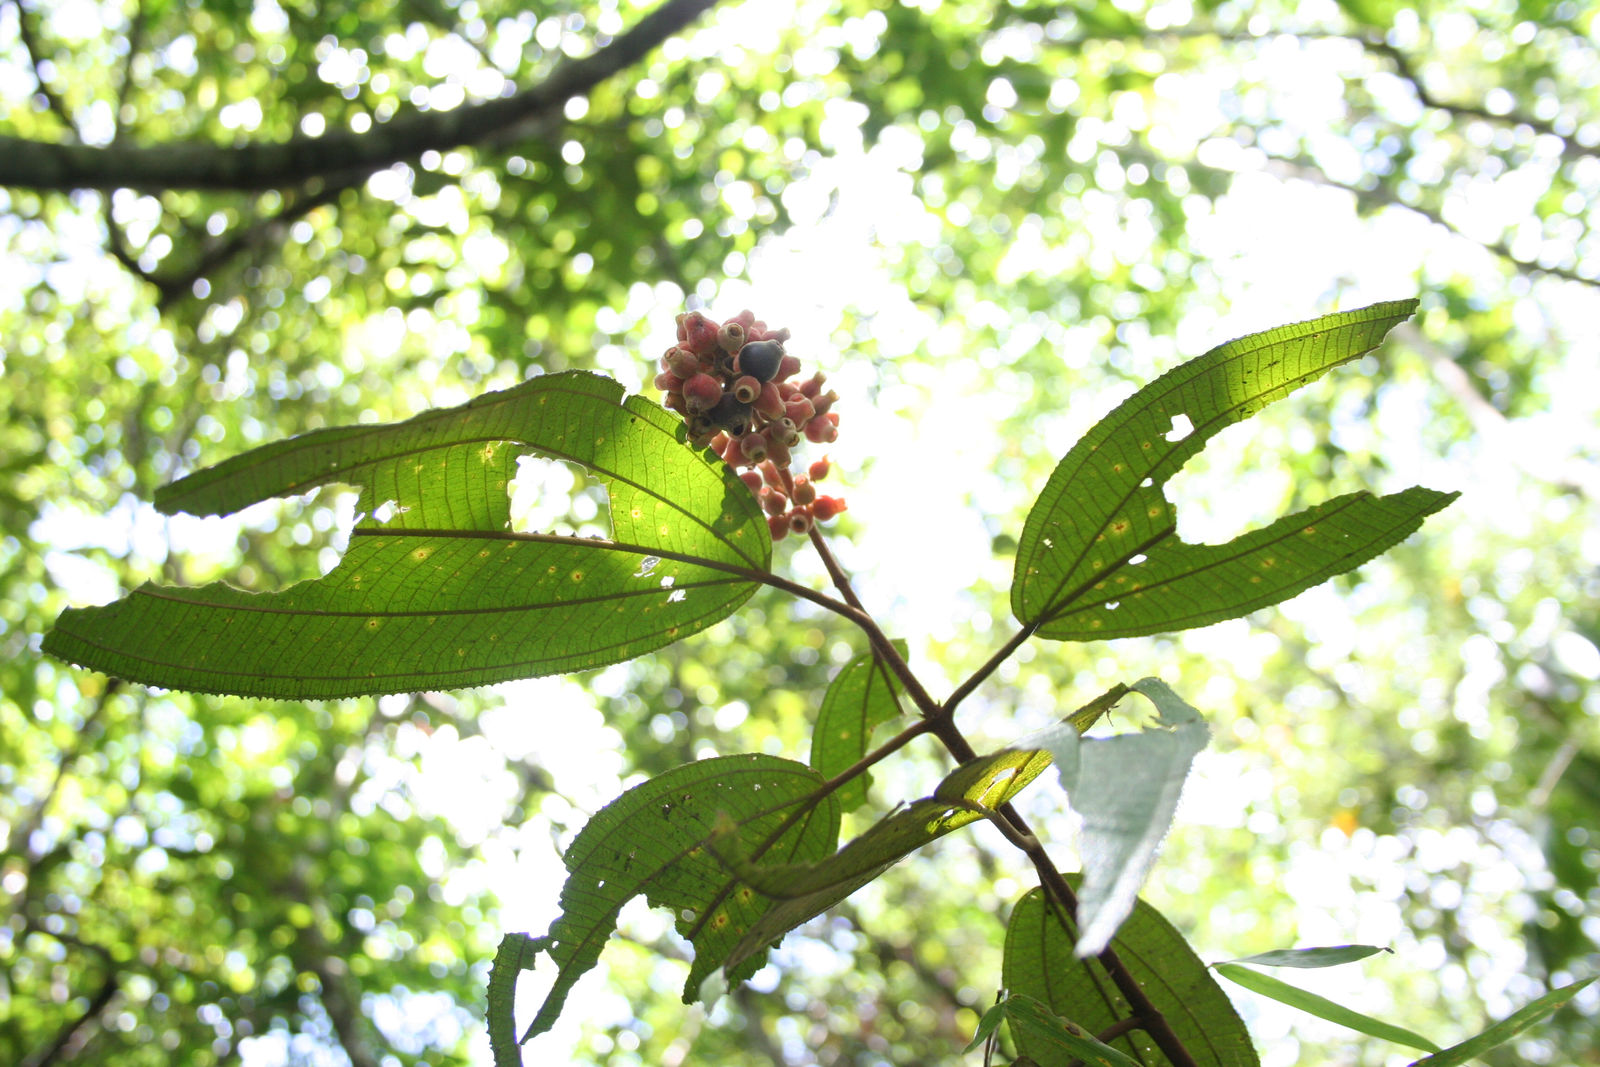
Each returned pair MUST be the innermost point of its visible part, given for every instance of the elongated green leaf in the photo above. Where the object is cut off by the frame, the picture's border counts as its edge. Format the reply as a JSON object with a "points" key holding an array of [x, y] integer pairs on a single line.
{"points": [[1328, 956], [444, 594], [652, 840], [1054, 1039], [1039, 962], [1098, 556], [1506, 1028], [802, 890], [1321, 1007], [863, 696]]}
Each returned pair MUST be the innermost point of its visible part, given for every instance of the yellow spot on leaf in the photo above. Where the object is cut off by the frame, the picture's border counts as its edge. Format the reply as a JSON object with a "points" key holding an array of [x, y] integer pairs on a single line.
{"points": [[420, 554]]}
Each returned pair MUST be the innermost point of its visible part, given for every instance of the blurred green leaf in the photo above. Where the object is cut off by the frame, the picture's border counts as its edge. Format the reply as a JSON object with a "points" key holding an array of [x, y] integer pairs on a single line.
{"points": [[1329, 956], [1506, 1028], [1097, 558], [864, 695]]}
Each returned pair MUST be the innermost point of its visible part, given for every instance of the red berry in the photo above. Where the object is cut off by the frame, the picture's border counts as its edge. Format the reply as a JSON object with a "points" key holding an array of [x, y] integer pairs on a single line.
{"points": [[774, 502], [824, 403], [769, 403], [819, 469], [804, 491], [754, 446], [813, 386], [799, 411], [826, 507], [752, 480], [698, 333], [746, 389], [702, 392], [820, 431], [799, 521], [778, 526]]}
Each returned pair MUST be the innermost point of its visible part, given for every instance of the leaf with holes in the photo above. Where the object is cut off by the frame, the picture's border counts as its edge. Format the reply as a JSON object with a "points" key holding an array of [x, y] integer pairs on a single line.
{"points": [[652, 840], [802, 890], [444, 594], [1098, 557], [863, 696], [1039, 962]]}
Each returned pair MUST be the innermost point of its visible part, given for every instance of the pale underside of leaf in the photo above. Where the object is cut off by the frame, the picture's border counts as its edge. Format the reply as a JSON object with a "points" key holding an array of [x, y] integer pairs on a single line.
{"points": [[1098, 556], [443, 594], [1039, 962]]}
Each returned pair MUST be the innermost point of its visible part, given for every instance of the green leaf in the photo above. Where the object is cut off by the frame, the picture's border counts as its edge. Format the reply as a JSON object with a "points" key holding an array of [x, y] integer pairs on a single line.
{"points": [[1321, 1007], [1329, 956], [1098, 557], [1506, 1028], [1126, 788], [515, 954], [803, 890], [444, 594], [1039, 962], [988, 1024], [1054, 1039], [863, 696], [653, 839]]}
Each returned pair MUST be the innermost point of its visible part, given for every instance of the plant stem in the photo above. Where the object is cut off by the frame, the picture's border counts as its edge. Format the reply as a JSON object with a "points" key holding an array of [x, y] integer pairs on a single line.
{"points": [[1149, 1017]]}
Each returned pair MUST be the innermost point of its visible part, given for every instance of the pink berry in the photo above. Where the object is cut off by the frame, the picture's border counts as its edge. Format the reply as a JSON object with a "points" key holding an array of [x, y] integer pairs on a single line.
{"points": [[819, 431], [826, 507], [804, 491], [698, 333], [774, 502], [799, 521], [668, 382], [734, 456], [752, 480], [682, 362], [769, 403], [778, 526], [799, 411], [746, 389], [819, 469], [754, 446], [813, 386], [702, 392], [788, 367]]}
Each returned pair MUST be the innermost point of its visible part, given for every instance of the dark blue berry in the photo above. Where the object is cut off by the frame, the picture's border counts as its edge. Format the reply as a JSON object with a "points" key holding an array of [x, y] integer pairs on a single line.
{"points": [[759, 359], [731, 415]]}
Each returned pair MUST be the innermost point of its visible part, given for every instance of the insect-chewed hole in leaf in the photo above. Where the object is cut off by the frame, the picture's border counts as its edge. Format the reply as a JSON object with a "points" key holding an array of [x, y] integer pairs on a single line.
{"points": [[388, 510], [1181, 427], [551, 496], [1134, 561]]}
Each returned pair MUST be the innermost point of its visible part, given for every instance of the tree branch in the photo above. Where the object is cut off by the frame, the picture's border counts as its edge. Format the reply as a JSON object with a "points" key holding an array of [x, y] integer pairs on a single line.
{"points": [[340, 156]]}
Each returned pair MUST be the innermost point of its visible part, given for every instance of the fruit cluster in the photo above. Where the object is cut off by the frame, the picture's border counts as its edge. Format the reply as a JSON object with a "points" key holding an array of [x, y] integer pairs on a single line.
{"points": [[733, 384]]}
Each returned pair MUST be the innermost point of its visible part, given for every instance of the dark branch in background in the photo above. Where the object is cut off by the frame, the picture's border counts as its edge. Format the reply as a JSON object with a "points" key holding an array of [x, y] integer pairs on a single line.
{"points": [[30, 44], [339, 157], [67, 1044]]}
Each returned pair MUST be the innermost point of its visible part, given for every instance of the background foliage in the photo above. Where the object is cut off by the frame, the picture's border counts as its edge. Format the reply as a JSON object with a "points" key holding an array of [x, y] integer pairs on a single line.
{"points": [[1053, 203]]}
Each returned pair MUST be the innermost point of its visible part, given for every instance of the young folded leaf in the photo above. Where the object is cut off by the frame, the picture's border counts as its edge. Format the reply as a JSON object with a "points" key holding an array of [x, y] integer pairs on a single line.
{"points": [[444, 594], [802, 890], [1320, 1006], [863, 696], [652, 840], [1098, 556], [1506, 1028], [1326, 956], [1039, 962]]}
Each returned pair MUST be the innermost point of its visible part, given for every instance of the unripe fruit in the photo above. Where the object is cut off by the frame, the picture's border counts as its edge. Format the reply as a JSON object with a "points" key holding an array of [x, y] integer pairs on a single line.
{"points": [[682, 362], [788, 367], [770, 403], [799, 522], [702, 392], [769, 474], [804, 491], [759, 359], [746, 390], [778, 526], [799, 411], [826, 507], [698, 333], [813, 386], [754, 446], [752, 480], [820, 431], [731, 337], [774, 502], [820, 468], [668, 382], [824, 402]]}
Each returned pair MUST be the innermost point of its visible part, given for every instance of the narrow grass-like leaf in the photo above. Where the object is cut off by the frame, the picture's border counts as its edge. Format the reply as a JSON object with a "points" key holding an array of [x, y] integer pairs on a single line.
{"points": [[987, 1025], [1506, 1028], [1053, 1039], [863, 696], [1098, 556], [652, 840], [1039, 962], [444, 594], [1321, 1007], [1328, 956], [805, 889]]}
